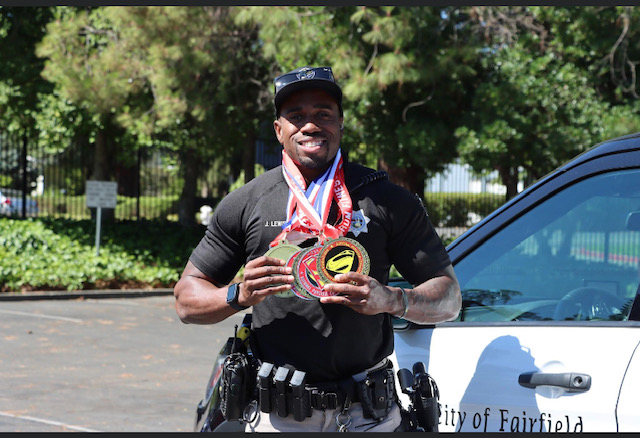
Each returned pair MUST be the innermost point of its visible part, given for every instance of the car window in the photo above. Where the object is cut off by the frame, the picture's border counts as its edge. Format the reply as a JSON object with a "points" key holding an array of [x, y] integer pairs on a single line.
{"points": [[573, 257]]}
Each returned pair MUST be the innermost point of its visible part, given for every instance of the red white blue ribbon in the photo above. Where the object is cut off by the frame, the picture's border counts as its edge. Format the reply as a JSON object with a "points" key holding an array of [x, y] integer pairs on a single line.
{"points": [[308, 207]]}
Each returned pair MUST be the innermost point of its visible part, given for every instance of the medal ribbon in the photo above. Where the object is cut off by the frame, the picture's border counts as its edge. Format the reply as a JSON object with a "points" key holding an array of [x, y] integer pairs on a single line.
{"points": [[308, 207]]}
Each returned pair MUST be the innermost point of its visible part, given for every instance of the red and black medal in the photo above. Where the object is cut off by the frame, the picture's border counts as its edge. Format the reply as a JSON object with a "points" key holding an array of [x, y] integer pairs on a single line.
{"points": [[308, 283]]}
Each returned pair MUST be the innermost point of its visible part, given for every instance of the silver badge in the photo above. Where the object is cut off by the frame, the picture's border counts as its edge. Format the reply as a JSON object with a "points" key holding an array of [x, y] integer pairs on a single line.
{"points": [[306, 73], [359, 223]]}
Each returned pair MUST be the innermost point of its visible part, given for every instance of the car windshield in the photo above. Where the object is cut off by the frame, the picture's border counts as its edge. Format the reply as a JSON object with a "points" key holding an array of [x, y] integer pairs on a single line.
{"points": [[573, 257]]}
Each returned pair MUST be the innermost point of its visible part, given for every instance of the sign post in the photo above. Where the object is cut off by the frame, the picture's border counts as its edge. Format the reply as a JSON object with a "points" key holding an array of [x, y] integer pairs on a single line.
{"points": [[101, 194]]}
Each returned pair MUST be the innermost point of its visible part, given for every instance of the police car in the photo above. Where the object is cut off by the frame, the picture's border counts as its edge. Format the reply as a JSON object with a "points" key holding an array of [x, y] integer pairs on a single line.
{"points": [[549, 332]]}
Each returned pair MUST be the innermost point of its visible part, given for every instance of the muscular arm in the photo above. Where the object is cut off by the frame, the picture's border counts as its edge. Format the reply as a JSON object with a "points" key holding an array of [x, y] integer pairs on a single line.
{"points": [[200, 301], [436, 300]]}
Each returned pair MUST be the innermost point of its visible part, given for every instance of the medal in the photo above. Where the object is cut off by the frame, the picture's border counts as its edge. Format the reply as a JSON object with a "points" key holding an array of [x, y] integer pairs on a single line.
{"points": [[294, 286], [342, 255], [284, 252], [308, 284]]}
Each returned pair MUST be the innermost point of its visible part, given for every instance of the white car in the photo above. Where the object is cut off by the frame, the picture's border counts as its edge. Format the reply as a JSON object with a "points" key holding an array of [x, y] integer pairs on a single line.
{"points": [[11, 203], [549, 334], [5, 205]]}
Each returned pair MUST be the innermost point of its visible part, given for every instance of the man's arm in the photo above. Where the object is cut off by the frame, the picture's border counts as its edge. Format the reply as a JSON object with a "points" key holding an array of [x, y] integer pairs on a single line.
{"points": [[436, 300], [199, 300]]}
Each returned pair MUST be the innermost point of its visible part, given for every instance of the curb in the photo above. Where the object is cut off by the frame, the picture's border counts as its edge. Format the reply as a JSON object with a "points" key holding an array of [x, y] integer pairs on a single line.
{"points": [[81, 294]]}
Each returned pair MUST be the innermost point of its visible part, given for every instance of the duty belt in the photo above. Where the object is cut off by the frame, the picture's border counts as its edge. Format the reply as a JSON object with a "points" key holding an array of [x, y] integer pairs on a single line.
{"points": [[284, 390]]}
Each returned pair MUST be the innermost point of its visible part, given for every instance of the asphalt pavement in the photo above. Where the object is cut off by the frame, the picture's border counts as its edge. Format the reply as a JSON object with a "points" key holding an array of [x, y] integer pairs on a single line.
{"points": [[102, 361]]}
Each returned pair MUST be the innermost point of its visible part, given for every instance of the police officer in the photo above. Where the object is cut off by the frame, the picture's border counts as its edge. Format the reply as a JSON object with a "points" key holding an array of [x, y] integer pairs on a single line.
{"points": [[317, 237]]}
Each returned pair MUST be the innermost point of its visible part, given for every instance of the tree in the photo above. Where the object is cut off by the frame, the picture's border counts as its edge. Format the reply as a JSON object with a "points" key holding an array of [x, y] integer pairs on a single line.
{"points": [[403, 72], [602, 40], [20, 81], [78, 60], [195, 87], [529, 113], [539, 102]]}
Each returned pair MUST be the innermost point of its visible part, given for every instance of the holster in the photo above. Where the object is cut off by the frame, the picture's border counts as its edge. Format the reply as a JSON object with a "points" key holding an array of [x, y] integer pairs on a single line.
{"points": [[377, 392]]}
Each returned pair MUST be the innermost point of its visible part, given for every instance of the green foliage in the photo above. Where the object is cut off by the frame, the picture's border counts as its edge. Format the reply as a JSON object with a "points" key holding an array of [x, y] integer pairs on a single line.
{"points": [[20, 81], [532, 113], [602, 40], [507, 88], [184, 76], [240, 181], [75, 207], [402, 72], [47, 254]]}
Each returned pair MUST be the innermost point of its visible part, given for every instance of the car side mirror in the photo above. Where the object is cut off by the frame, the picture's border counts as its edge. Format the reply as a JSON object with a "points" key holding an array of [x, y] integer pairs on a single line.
{"points": [[633, 221]]}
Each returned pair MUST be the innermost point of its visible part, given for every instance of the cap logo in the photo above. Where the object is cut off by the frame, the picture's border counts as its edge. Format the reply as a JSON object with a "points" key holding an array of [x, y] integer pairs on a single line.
{"points": [[306, 73]]}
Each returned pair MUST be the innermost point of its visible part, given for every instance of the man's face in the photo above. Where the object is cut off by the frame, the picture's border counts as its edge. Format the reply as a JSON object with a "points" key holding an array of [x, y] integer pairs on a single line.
{"points": [[309, 129]]}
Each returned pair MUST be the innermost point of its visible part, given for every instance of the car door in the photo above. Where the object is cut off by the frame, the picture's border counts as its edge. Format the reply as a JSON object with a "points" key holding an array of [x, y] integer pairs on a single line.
{"points": [[543, 342]]}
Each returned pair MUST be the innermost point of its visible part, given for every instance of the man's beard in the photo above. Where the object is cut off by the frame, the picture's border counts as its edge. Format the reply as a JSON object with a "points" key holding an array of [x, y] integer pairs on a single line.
{"points": [[315, 162]]}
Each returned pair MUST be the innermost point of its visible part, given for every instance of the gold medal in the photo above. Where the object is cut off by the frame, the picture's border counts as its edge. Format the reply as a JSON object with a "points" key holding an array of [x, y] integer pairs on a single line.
{"points": [[342, 255], [284, 252]]}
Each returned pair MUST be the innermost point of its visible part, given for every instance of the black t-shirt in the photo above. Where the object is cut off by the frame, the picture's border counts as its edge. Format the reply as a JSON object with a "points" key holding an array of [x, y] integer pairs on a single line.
{"points": [[327, 341]]}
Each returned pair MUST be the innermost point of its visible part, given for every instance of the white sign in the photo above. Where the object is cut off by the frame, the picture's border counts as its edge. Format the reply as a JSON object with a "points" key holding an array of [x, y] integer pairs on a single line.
{"points": [[102, 194]]}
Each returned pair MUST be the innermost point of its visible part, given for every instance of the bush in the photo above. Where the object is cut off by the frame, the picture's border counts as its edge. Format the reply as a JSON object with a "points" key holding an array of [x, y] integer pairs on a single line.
{"points": [[460, 209], [59, 254], [68, 206]]}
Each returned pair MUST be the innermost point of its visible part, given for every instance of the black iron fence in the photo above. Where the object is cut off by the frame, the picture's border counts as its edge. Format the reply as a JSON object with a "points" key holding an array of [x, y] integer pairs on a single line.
{"points": [[36, 181]]}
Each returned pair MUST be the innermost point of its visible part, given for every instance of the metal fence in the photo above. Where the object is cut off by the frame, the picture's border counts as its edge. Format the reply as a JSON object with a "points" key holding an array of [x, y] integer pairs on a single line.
{"points": [[39, 182], [35, 181]]}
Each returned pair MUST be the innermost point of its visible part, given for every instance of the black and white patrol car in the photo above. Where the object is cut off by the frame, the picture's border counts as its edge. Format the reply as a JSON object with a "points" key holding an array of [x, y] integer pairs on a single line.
{"points": [[549, 333]]}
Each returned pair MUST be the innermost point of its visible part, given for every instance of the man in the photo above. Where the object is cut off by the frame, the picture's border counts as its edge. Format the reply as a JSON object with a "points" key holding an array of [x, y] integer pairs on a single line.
{"points": [[331, 329]]}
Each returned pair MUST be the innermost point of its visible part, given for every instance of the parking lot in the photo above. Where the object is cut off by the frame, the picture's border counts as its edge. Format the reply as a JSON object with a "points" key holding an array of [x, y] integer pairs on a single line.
{"points": [[105, 365]]}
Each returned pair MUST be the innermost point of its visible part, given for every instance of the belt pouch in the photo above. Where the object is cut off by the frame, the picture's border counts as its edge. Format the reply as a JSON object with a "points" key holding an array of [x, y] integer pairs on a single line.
{"points": [[266, 393], [300, 396], [281, 380], [376, 393]]}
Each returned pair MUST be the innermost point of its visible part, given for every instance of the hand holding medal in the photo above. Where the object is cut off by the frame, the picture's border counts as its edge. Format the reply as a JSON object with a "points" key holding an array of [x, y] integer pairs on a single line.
{"points": [[283, 251]]}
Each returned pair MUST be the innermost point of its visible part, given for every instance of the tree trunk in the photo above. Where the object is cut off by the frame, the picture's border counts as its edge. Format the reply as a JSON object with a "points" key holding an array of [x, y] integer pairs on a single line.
{"points": [[187, 201], [411, 178], [249, 158], [102, 168], [509, 177], [101, 158]]}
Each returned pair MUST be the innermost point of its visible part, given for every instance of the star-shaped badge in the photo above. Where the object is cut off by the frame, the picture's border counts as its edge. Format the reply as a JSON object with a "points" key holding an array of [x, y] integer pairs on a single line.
{"points": [[359, 223]]}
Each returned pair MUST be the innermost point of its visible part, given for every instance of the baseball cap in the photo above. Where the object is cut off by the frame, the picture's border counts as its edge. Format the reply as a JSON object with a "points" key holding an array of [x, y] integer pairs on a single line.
{"points": [[306, 77]]}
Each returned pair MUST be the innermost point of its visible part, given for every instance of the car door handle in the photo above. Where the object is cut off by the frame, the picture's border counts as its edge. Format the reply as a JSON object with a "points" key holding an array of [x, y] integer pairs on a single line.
{"points": [[570, 382]]}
